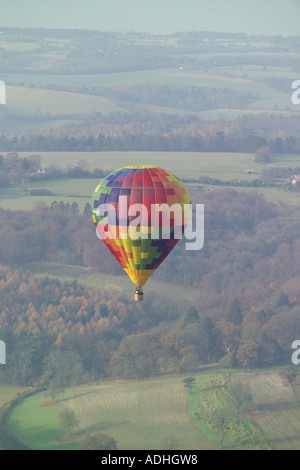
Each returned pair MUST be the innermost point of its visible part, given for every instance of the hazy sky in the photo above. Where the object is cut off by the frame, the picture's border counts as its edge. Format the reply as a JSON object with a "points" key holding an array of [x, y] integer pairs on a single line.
{"points": [[156, 16]]}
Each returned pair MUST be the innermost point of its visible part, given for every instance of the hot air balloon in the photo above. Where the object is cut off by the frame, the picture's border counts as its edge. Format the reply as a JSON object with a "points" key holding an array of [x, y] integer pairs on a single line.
{"points": [[140, 243]]}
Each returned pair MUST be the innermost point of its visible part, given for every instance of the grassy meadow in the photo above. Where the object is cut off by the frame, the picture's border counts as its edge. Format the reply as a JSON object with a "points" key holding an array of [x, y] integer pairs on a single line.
{"points": [[22, 100], [145, 414], [185, 164], [7, 394], [235, 78], [36, 94], [160, 413], [222, 166], [97, 280]]}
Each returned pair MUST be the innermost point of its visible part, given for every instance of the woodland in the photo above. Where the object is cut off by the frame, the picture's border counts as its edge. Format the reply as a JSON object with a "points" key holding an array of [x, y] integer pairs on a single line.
{"points": [[246, 313]]}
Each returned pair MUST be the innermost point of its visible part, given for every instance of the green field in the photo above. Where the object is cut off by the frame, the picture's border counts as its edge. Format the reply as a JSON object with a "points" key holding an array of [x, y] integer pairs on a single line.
{"points": [[97, 280], [139, 415], [68, 190], [27, 99], [50, 65], [7, 394], [23, 101], [160, 413], [185, 164], [14, 199], [18, 46], [222, 166], [227, 78]]}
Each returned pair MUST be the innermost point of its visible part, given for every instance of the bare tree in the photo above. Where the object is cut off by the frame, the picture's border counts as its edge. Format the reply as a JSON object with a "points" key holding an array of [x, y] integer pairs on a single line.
{"points": [[239, 395], [221, 420], [68, 420]]}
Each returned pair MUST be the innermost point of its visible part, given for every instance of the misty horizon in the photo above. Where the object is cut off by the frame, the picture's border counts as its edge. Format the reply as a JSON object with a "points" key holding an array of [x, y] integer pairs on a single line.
{"points": [[168, 17]]}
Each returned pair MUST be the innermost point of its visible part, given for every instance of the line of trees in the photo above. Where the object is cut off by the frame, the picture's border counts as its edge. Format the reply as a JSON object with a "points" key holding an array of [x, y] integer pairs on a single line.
{"points": [[20, 171], [191, 98], [181, 142]]}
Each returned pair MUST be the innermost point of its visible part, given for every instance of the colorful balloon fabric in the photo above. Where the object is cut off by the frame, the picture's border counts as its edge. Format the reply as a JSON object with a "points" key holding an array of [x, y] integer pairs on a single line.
{"points": [[152, 187]]}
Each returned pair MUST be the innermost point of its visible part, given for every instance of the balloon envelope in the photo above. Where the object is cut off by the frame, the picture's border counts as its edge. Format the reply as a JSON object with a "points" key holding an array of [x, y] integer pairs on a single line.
{"points": [[130, 211]]}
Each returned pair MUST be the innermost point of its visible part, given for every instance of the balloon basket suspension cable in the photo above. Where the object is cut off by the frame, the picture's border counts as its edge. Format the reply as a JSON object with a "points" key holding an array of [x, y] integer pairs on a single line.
{"points": [[139, 294]]}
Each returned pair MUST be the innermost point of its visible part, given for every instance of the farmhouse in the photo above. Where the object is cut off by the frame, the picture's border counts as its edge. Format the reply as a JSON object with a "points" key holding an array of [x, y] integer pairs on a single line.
{"points": [[39, 172], [295, 179]]}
